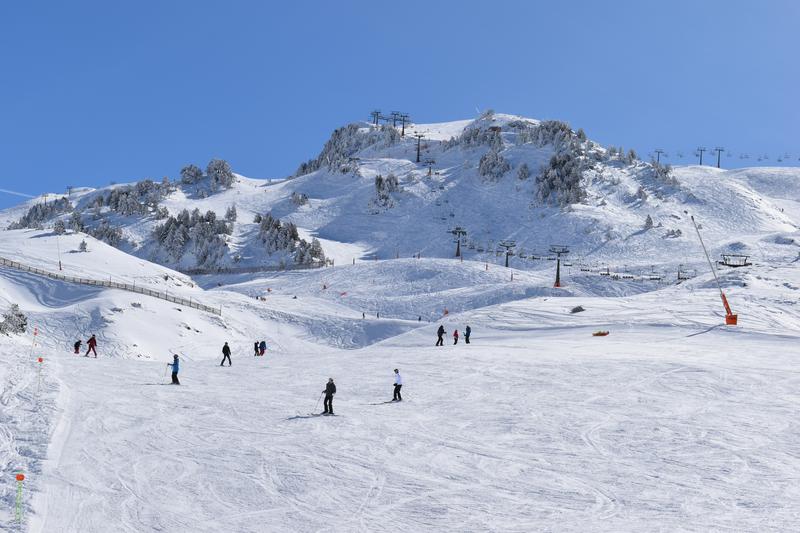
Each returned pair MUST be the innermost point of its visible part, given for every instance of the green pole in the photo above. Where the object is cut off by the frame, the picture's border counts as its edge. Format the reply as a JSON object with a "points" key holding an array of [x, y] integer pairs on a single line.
{"points": [[19, 501]]}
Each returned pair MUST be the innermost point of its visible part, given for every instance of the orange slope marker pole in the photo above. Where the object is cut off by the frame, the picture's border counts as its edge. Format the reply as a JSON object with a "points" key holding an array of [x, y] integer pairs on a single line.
{"points": [[33, 342], [18, 511], [730, 318], [39, 360]]}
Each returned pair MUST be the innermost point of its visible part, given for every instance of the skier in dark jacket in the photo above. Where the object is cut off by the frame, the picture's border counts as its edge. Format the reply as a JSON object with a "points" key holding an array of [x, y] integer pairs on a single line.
{"points": [[255, 349], [77, 347], [262, 348], [467, 333], [92, 344], [175, 367], [440, 333], [226, 354], [330, 390], [455, 336]]}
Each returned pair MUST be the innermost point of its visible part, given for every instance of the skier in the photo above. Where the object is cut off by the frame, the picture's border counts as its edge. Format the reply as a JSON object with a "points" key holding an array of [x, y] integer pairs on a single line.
{"points": [[175, 365], [77, 347], [440, 333], [363, 315], [330, 390], [467, 333], [455, 337], [398, 384], [262, 348], [226, 354], [92, 344], [255, 349]]}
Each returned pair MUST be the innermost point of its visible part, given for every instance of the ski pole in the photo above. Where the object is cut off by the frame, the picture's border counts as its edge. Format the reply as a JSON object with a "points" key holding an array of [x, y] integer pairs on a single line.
{"points": [[318, 399]]}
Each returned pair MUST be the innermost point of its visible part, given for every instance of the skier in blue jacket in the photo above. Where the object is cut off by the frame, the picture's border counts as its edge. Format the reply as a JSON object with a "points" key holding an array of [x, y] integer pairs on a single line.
{"points": [[175, 367]]}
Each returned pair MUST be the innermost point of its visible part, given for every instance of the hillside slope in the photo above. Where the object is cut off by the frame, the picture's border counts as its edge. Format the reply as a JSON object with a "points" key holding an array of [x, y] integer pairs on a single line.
{"points": [[500, 177]]}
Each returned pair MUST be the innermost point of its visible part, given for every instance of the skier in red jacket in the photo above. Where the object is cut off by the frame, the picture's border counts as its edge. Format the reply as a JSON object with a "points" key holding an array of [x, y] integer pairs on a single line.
{"points": [[92, 344]]}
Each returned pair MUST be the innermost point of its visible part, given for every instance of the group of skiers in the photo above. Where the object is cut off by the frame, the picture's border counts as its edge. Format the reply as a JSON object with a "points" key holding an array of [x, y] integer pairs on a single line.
{"points": [[259, 348], [91, 343], [440, 333], [330, 391]]}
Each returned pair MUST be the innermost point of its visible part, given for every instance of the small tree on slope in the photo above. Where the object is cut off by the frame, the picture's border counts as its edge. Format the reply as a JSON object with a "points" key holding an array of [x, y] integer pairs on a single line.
{"points": [[14, 321]]}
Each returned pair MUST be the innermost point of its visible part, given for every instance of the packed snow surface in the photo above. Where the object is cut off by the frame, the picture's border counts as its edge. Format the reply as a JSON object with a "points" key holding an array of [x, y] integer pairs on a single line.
{"points": [[673, 419]]}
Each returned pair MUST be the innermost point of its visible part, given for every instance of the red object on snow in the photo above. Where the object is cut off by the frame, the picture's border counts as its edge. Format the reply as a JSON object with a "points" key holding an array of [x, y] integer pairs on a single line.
{"points": [[20, 477], [40, 359], [600, 333]]}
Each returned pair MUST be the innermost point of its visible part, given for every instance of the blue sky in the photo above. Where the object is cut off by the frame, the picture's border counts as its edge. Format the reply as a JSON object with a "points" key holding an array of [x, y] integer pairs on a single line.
{"points": [[94, 92]]}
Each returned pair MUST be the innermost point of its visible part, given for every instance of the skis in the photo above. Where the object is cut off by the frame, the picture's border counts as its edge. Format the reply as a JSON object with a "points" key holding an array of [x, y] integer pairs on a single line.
{"points": [[298, 416]]}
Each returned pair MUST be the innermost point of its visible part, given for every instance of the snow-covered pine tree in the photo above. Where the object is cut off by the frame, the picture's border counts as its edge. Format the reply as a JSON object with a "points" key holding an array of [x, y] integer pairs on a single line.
{"points": [[524, 172], [76, 222], [39, 213], [14, 321], [344, 143], [191, 174], [230, 214], [220, 173], [560, 182], [107, 233], [59, 228], [299, 198], [663, 174], [492, 165]]}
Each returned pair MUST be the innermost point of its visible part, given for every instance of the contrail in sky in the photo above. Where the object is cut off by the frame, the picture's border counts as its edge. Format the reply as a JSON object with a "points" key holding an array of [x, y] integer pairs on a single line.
{"points": [[17, 193]]}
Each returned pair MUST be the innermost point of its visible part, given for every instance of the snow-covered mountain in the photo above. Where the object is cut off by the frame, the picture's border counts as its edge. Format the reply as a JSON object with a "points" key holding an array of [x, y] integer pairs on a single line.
{"points": [[672, 419], [500, 177]]}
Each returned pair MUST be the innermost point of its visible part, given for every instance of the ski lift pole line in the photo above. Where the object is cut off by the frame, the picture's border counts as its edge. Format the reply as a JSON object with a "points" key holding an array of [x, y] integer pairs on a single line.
{"points": [[730, 318], [708, 258]]}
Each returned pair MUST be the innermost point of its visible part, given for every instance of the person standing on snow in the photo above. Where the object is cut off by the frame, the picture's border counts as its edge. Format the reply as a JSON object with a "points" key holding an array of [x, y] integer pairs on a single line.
{"points": [[77, 347], [330, 390], [262, 348], [255, 349], [398, 384], [455, 337], [467, 333], [226, 354], [175, 366], [92, 344], [440, 333]]}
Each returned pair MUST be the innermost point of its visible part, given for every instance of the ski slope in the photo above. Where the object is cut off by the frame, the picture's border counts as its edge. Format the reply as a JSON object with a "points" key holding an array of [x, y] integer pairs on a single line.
{"points": [[532, 426], [672, 419], [671, 422]]}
